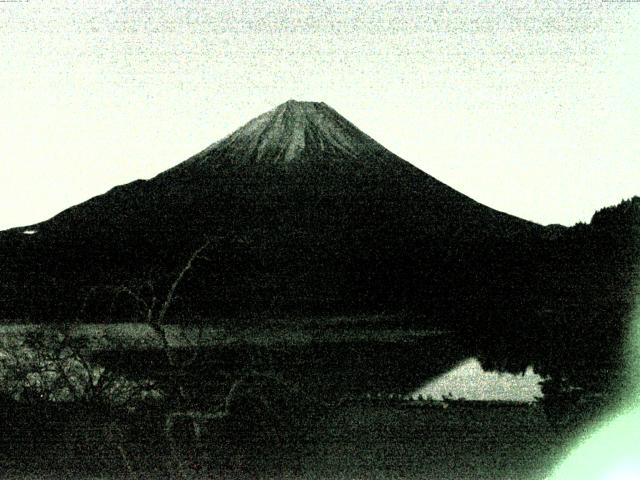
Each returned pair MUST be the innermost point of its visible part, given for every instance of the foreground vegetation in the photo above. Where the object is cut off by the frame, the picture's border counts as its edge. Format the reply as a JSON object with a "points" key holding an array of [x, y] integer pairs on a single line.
{"points": [[66, 415], [359, 439]]}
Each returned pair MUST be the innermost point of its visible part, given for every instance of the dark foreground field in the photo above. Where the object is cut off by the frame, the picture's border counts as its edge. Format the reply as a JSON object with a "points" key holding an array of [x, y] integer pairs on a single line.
{"points": [[354, 441]]}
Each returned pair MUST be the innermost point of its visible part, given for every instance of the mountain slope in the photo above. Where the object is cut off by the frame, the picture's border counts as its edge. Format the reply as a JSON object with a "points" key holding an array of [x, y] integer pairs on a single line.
{"points": [[306, 213], [306, 216]]}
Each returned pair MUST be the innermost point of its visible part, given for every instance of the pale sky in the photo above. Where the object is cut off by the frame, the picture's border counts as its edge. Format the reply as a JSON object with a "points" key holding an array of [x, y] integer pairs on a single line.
{"points": [[528, 107]]}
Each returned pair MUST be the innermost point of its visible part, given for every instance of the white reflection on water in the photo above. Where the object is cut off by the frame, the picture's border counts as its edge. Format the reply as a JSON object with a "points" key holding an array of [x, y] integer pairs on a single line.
{"points": [[469, 381]]}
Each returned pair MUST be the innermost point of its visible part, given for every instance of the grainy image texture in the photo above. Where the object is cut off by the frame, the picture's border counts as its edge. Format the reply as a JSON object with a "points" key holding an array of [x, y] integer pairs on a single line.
{"points": [[450, 295]]}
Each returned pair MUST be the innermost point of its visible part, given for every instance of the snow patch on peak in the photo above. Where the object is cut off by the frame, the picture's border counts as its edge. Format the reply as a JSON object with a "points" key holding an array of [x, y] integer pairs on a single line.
{"points": [[301, 105], [293, 131]]}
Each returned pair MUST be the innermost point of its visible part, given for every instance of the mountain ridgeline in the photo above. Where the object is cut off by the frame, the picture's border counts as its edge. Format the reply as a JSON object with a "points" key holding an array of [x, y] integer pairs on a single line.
{"points": [[305, 215]]}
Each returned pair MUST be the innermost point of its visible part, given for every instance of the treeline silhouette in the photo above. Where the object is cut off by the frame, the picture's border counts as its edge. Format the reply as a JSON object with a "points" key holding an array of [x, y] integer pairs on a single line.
{"points": [[553, 297], [570, 303]]}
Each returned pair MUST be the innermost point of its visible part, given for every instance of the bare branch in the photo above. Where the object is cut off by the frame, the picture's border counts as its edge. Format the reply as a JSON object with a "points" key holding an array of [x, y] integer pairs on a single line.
{"points": [[144, 308], [176, 282]]}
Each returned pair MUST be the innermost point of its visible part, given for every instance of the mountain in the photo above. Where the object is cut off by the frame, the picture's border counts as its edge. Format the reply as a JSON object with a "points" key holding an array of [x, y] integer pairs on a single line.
{"points": [[304, 216], [300, 162], [307, 212]]}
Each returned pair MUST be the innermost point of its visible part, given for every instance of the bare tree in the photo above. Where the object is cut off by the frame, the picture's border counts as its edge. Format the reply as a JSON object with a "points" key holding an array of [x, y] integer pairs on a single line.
{"points": [[259, 399], [152, 307], [50, 365]]}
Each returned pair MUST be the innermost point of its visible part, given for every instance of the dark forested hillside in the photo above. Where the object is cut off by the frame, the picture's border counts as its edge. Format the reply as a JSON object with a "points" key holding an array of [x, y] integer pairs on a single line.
{"points": [[573, 318]]}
